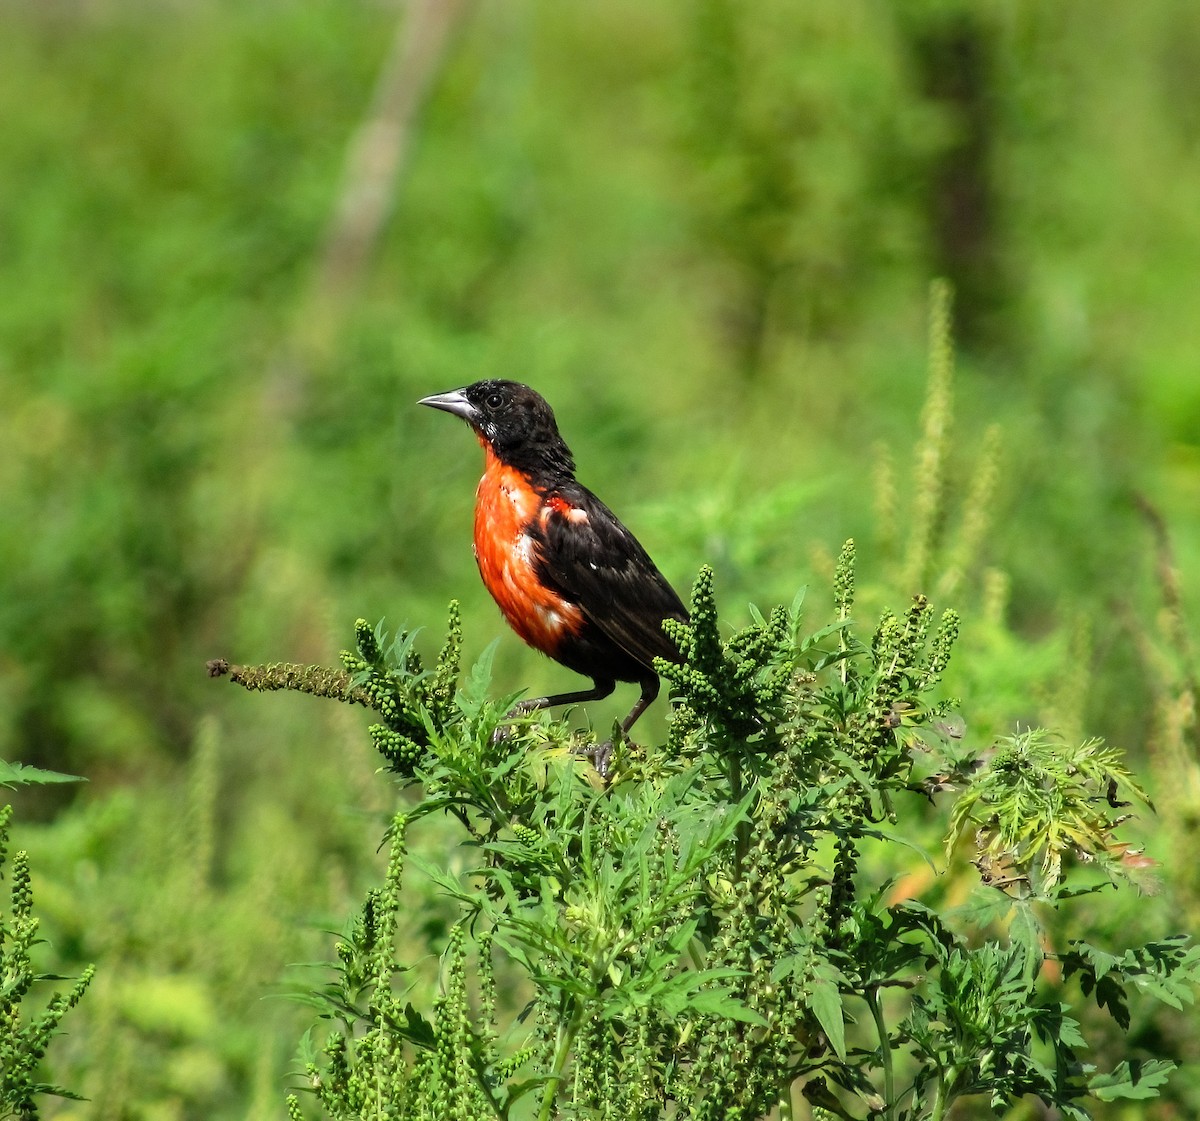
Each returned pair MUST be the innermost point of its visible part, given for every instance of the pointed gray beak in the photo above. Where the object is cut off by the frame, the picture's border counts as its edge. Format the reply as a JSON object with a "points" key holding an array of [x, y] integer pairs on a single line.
{"points": [[455, 401]]}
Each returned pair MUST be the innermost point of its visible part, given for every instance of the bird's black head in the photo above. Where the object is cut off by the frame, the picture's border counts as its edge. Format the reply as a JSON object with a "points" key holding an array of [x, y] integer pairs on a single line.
{"points": [[514, 421]]}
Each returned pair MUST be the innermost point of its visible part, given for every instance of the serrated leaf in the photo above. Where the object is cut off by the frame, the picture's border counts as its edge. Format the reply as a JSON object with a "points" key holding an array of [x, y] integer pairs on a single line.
{"points": [[1111, 995], [1068, 1030], [718, 1002], [1137, 1078], [20, 774], [415, 1028], [479, 680], [983, 907], [1025, 931], [1168, 993]]}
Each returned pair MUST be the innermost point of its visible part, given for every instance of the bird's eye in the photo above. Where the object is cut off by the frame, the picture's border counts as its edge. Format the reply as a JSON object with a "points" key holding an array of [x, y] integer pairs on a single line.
{"points": [[493, 401]]}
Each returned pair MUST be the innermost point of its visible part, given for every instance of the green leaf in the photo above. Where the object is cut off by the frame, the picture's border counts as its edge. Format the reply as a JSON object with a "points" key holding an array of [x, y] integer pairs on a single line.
{"points": [[415, 1028], [798, 602], [18, 774], [479, 680], [1137, 1078], [1026, 932], [826, 1004], [983, 907], [683, 935], [1102, 962], [1110, 994], [716, 1002]]}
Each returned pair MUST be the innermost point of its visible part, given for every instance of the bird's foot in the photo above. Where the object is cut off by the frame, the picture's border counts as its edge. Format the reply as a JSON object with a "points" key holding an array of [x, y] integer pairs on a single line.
{"points": [[600, 754], [504, 729]]}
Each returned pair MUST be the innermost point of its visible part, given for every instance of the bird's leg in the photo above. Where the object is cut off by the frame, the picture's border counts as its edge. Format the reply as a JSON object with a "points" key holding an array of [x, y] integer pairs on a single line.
{"points": [[650, 689], [602, 753], [601, 688]]}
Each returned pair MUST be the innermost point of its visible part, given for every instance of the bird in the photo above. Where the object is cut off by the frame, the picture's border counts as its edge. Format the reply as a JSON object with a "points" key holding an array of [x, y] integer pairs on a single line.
{"points": [[567, 575]]}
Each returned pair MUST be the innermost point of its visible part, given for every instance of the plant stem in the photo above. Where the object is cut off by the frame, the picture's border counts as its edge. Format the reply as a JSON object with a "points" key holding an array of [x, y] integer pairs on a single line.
{"points": [[941, 1100], [885, 1054], [562, 1048], [742, 842]]}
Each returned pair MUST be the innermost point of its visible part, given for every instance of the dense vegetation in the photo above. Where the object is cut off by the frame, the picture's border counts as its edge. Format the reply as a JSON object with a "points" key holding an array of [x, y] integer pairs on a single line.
{"points": [[706, 232]]}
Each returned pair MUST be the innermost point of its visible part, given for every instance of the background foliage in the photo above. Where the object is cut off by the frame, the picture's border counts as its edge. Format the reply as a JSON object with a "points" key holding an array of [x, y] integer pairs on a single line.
{"points": [[706, 232]]}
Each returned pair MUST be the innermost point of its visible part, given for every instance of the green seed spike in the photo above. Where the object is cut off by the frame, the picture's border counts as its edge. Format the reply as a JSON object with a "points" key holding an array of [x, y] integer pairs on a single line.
{"points": [[5, 817], [940, 648], [843, 581], [22, 888], [445, 677], [684, 722], [402, 752], [506, 1068], [886, 640], [525, 833], [367, 641], [319, 681], [706, 638], [387, 907], [352, 661], [916, 627], [680, 634], [487, 994], [396, 856]]}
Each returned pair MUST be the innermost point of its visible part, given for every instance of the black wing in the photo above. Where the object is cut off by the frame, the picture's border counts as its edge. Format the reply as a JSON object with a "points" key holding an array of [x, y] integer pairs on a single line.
{"points": [[601, 566]]}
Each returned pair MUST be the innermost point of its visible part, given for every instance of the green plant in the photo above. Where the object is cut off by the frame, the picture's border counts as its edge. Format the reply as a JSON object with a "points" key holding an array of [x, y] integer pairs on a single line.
{"points": [[706, 934], [24, 1037]]}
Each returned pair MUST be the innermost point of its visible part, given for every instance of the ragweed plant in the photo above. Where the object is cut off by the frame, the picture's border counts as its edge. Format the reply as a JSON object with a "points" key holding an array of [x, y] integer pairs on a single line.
{"points": [[1036, 800], [699, 936], [25, 1034]]}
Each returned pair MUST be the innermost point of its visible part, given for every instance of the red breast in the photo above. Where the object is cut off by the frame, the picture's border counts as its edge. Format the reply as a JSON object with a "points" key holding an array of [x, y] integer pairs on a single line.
{"points": [[506, 509]]}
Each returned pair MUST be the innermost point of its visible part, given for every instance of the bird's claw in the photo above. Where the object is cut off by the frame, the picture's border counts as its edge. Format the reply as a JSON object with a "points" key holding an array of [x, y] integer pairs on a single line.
{"points": [[600, 755], [504, 729]]}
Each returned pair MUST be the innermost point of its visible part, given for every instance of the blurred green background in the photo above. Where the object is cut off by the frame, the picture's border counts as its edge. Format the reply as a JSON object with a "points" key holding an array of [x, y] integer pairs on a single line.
{"points": [[239, 240]]}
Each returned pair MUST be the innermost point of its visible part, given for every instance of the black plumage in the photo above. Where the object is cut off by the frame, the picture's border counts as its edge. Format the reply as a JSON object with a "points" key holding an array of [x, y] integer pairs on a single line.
{"points": [[601, 566]]}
